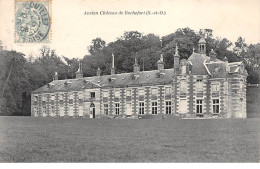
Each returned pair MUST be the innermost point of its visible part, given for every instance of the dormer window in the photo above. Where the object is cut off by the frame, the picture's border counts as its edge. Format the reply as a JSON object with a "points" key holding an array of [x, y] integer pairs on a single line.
{"points": [[215, 87], [35, 98], [92, 94]]}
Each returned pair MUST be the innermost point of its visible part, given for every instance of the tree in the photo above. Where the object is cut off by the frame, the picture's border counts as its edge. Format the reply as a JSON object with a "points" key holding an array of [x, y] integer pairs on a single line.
{"points": [[97, 45]]}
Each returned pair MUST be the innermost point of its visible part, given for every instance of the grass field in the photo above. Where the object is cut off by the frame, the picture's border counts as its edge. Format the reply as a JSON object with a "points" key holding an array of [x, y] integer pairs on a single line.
{"points": [[28, 139]]}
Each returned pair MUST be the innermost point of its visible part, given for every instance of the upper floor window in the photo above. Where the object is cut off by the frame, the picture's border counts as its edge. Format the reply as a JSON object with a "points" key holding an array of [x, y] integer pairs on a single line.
{"points": [[105, 94], [141, 92], [199, 85], [183, 86], [80, 95], [61, 96], [215, 87], [52, 97], [117, 93], [168, 91], [154, 91], [92, 94], [128, 92], [71, 96], [43, 98]]}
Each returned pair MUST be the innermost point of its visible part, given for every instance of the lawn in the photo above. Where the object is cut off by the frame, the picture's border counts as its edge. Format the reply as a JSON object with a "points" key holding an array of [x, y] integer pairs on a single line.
{"points": [[28, 139]]}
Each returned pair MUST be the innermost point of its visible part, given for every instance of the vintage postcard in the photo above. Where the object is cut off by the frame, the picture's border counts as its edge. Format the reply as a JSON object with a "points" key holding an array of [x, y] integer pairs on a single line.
{"points": [[129, 81]]}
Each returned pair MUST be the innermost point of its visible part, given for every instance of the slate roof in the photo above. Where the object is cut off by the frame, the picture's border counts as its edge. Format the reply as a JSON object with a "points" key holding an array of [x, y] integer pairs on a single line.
{"points": [[153, 77], [197, 60]]}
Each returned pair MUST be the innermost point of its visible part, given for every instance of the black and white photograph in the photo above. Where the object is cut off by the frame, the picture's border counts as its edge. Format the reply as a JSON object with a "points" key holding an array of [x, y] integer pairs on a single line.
{"points": [[120, 81]]}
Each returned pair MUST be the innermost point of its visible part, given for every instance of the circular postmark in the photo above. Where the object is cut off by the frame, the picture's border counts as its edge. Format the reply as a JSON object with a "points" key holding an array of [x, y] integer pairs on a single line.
{"points": [[32, 22]]}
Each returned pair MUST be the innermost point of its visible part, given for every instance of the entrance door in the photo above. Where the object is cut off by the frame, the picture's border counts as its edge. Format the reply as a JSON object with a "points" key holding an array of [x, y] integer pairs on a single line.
{"points": [[92, 110]]}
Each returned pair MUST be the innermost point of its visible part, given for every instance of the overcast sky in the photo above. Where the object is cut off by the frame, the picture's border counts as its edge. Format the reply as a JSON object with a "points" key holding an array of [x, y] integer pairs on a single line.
{"points": [[72, 31]]}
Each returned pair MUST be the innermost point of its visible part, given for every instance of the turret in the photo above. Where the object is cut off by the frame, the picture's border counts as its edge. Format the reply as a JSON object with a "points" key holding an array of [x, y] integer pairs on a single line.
{"points": [[202, 46]]}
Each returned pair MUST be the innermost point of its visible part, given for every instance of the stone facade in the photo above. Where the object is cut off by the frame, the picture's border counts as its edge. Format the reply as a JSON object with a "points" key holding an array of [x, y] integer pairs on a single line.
{"points": [[199, 87]]}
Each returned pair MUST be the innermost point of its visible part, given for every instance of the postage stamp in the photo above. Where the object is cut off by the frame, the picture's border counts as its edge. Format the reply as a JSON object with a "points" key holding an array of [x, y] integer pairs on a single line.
{"points": [[32, 21]]}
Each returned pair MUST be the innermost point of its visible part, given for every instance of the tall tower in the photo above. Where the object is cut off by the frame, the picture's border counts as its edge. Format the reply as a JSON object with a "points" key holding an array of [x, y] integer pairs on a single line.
{"points": [[113, 69], [202, 46], [79, 73], [136, 66], [176, 59]]}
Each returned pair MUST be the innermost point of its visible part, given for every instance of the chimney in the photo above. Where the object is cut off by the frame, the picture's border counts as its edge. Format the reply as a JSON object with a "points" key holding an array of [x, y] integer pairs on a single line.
{"points": [[79, 73], [202, 46], [56, 77], [212, 55], [136, 66], [113, 69], [98, 72], [176, 59], [160, 63]]}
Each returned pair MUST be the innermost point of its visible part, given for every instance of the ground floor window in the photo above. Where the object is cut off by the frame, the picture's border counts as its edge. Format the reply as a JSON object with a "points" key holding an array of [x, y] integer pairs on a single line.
{"points": [[36, 111], [52, 111], [106, 109], [141, 107], [199, 106], [44, 111], [80, 110], [154, 107], [117, 108], [215, 103], [61, 110], [71, 110], [168, 108]]}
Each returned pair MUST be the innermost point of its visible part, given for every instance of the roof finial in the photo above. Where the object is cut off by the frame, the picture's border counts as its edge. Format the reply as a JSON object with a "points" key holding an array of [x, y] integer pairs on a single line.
{"points": [[113, 61]]}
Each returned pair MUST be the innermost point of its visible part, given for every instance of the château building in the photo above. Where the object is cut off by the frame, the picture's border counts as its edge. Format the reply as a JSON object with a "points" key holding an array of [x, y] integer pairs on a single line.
{"points": [[199, 87]]}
